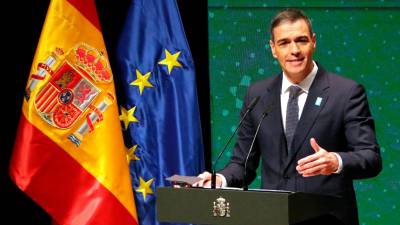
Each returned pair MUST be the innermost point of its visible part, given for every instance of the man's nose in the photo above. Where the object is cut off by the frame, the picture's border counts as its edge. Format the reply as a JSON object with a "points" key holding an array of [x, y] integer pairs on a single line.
{"points": [[294, 48]]}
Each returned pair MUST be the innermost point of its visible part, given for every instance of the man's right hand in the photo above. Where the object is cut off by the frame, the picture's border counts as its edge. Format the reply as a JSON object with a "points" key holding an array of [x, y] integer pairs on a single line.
{"points": [[206, 180]]}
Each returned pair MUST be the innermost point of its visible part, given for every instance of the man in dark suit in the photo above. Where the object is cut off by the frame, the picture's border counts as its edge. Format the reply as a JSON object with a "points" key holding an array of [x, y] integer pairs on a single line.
{"points": [[319, 136]]}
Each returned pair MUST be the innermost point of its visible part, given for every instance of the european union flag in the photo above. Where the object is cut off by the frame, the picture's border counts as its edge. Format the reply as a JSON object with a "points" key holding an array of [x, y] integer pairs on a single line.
{"points": [[159, 108]]}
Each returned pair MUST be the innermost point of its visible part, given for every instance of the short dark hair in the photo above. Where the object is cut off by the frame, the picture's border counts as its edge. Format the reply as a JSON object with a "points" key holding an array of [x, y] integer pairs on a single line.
{"points": [[289, 15]]}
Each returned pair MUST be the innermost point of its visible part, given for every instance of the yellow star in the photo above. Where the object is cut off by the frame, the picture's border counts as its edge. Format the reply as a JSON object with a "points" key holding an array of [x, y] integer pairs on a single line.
{"points": [[170, 60], [144, 187], [142, 81], [131, 154], [128, 116]]}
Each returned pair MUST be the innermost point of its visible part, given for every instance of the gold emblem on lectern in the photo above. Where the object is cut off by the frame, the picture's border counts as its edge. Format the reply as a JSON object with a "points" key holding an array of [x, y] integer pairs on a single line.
{"points": [[221, 208]]}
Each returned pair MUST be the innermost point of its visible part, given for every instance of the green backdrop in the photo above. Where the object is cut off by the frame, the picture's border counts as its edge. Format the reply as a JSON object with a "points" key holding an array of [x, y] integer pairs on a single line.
{"points": [[358, 39]]}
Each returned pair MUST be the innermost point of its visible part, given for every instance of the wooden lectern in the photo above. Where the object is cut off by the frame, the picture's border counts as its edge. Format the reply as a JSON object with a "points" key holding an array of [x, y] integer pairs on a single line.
{"points": [[238, 207]]}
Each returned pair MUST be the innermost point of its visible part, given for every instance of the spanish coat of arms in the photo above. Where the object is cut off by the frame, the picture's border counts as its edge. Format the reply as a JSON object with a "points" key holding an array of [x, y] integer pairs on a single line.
{"points": [[221, 208], [72, 89]]}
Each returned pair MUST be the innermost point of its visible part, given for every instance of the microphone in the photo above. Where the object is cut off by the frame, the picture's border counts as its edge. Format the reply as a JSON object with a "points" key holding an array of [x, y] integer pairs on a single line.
{"points": [[267, 110], [250, 107]]}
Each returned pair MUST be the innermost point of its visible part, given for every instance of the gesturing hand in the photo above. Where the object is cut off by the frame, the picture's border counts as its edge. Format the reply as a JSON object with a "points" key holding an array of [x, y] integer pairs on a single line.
{"points": [[321, 162]]}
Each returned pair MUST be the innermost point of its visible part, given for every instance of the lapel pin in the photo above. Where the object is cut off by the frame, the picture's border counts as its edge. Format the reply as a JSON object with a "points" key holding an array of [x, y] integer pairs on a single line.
{"points": [[318, 101]]}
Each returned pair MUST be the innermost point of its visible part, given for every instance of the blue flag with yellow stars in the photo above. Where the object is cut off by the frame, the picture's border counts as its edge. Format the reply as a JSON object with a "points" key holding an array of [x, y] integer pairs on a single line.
{"points": [[158, 101]]}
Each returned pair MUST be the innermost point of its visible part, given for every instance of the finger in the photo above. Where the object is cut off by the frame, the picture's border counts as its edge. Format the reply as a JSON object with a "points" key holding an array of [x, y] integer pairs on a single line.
{"points": [[207, 184], [317, 170], [319, 152], [196, 184], [306, 166], [328, 167], [200, 183], [308, 159], [314, 145], [205, 176]]}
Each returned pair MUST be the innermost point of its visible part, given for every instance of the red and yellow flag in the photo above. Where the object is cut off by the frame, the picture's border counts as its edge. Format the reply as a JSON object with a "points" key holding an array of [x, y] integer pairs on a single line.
{"points": [[69, 154]]}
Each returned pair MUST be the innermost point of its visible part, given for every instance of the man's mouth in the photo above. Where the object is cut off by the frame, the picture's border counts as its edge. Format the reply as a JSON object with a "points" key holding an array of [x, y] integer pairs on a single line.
{"points": [[295, 61]]}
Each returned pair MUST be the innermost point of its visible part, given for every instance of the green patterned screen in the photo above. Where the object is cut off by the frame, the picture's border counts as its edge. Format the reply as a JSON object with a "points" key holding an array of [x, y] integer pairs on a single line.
{"points": [[358, 39]]}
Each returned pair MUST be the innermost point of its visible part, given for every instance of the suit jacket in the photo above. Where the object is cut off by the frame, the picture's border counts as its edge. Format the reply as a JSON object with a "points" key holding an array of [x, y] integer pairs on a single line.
{"points": [[340, 123]]}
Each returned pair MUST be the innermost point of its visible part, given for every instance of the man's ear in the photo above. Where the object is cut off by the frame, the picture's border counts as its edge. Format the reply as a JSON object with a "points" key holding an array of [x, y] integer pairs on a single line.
{"points": [[272, 45], [314, 40]]}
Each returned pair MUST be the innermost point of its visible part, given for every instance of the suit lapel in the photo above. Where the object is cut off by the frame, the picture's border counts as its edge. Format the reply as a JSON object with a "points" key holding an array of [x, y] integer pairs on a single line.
{"points": [[275, 117], [274, 120], [316, 99]]}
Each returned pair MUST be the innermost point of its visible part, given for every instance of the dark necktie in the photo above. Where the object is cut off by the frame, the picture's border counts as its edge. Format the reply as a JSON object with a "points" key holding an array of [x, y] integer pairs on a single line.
{"points": [[292, 116]]}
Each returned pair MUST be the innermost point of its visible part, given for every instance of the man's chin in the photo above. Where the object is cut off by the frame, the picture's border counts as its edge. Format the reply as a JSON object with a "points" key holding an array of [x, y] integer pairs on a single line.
{"points": [[295, 72], [296, 76]]}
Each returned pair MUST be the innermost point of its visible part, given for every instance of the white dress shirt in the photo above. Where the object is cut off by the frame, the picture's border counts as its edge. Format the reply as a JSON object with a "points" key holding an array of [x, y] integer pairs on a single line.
{"points": [[305, 87]]}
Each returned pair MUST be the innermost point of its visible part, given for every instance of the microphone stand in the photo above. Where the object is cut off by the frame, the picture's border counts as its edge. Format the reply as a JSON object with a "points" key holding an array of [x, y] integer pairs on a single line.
{"points": [[213, 172], [265, 113]]}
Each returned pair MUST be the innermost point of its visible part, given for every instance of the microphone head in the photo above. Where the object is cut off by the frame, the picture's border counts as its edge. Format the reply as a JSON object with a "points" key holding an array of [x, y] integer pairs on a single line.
{"points": [[253, 103]]}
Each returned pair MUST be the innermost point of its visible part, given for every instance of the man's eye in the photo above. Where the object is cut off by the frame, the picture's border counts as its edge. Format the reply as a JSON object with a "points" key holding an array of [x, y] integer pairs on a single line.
{"points": [[302, 41]]}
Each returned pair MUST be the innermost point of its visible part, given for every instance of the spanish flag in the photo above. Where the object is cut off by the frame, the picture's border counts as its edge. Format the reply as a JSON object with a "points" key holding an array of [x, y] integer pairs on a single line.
{"points": [[69, 155]]}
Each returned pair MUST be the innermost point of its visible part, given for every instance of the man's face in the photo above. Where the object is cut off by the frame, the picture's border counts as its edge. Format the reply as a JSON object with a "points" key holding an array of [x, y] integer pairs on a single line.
{"points": [[293, 47]]}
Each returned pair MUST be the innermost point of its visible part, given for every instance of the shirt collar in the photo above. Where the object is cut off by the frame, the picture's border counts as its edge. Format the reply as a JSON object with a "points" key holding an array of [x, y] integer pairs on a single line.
{"points": [[304, 84]]}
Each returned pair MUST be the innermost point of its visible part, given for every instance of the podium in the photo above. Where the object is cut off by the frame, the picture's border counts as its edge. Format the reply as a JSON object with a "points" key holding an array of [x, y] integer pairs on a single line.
{"points": [[238, 207]]}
